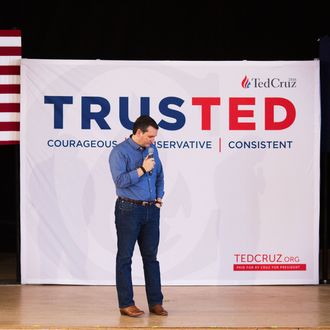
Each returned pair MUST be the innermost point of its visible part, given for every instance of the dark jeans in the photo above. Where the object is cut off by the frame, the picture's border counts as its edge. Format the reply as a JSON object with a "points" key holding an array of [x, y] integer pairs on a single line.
{"points": [[137, 223]]}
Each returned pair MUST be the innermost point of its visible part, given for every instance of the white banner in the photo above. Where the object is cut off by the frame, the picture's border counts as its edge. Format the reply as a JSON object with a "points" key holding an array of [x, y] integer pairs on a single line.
{"points": [[239, 142]]}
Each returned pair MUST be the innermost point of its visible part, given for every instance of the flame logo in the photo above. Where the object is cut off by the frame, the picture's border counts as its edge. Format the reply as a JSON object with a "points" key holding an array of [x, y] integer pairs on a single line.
{"points": [[246, 82]]}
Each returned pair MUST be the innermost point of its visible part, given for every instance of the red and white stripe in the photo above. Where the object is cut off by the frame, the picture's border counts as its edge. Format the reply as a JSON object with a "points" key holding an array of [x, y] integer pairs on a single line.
{"points": [[10, 60]]}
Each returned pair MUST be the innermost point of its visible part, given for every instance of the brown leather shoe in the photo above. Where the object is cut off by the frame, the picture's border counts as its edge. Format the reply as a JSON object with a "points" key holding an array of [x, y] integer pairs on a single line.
{"points": [[131, 311], [158, 310]]}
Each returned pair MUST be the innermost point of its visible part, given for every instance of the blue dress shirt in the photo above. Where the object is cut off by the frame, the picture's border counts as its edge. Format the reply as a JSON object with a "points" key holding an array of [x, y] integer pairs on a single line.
{"points": [[124, 160]]}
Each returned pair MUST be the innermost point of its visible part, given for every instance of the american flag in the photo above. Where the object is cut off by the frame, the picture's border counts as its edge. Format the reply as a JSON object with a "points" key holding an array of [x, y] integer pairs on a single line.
{"points": [[10, 59]]}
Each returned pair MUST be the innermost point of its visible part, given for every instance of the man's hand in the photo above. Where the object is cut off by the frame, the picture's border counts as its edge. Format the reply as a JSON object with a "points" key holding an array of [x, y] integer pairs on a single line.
{"points": [[149, 163], [159, 202]]}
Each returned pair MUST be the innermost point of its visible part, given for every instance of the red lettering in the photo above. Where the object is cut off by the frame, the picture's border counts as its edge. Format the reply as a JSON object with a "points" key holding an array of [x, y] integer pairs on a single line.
{"points": [[236, 257], [206, 104], [235, 113], [270, 104]]}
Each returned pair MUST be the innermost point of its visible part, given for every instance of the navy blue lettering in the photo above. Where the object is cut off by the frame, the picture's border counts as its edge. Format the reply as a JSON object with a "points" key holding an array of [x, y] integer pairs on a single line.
{"points": [[124, 109], [88, 115], [167, 111], [58, 102]]}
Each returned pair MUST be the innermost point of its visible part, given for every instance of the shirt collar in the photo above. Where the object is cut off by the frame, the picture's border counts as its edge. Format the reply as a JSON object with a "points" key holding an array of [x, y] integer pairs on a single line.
{"points": [[133, 144]]}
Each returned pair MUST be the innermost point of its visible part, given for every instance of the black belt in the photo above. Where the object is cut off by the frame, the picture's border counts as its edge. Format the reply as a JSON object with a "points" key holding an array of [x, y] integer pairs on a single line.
{"points": [[134, 201]]}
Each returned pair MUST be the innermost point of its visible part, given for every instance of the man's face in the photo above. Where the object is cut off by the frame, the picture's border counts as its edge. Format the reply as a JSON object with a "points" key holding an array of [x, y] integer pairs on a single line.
{"points": [[148, 137]]}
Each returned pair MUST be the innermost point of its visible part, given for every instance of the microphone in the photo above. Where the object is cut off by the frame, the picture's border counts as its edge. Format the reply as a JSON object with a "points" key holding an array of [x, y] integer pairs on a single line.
{"points": [[150, 155]]}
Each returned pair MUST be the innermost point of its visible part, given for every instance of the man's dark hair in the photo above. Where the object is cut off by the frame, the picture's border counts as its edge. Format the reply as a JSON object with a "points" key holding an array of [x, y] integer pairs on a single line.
{"points": [[143, 122]]}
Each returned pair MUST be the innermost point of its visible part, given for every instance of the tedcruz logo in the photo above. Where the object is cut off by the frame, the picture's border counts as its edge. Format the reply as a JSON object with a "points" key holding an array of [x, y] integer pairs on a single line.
{"points": [[246, 82], [268, 83]]}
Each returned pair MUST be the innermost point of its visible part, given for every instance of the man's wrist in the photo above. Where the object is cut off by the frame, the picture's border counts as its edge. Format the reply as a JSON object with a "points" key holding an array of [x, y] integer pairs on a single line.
{"points": [[143, 169]]}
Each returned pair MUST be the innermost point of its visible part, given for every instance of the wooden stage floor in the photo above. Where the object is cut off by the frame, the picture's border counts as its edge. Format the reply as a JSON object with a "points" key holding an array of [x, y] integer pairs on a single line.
{"points": [[189, 307]]}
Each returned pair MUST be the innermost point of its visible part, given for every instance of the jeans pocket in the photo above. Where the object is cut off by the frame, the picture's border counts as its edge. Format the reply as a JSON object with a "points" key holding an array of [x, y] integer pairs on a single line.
{"points": [[126, 206]]}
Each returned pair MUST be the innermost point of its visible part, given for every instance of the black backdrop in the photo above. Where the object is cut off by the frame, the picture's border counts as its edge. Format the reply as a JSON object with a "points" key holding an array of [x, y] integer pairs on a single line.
{"points": [[167, 30]]}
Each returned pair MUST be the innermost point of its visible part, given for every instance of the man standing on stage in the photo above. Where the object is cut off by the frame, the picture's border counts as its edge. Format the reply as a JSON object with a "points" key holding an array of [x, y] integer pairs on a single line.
{"points": [[138, 176]]}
